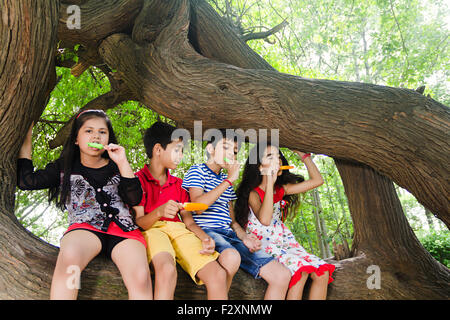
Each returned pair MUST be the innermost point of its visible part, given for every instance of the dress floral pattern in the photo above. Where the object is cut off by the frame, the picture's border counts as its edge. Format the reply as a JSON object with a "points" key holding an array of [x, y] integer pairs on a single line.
{"points": [[278, 241]]}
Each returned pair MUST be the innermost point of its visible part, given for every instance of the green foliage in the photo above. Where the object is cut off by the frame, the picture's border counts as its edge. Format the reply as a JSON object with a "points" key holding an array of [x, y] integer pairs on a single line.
{"points": [[399, 43], [438, 245]]}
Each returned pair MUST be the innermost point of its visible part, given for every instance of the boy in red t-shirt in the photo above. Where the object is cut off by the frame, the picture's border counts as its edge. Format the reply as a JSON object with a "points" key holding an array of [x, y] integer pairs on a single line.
{"points": [[169, 238]]}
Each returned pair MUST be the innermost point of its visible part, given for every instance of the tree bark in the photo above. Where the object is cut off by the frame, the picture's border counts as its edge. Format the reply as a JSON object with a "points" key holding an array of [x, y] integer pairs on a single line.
{"points": [[190, 67], [27, 76]]}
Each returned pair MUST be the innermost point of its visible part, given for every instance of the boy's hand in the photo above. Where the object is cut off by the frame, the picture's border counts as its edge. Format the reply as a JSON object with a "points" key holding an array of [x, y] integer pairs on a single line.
{"points": [[209, 246], [233, 170], [252, 242], [170, 209]]}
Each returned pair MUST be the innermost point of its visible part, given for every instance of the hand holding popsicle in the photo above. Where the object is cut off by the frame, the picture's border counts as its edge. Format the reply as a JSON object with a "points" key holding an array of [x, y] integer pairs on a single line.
{"points": [[232, 168], [170, 209]]}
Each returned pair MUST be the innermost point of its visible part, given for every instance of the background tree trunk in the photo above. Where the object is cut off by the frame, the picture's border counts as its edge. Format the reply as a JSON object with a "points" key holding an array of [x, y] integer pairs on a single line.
{"points": [[321, 229], [215, 77], [383, 237]]}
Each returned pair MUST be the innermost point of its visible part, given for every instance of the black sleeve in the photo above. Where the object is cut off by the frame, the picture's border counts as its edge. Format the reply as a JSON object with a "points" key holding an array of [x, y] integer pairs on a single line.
{"points": [[130, 191], [28, 179]]}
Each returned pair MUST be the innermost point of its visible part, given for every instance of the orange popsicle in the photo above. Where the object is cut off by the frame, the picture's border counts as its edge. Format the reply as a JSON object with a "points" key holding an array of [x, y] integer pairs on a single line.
{"points": [[194, 206], [286, 167]]}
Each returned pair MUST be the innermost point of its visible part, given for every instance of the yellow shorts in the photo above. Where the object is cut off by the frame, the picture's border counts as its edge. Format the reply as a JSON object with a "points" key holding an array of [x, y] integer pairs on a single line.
{"points": [[182, 244]]}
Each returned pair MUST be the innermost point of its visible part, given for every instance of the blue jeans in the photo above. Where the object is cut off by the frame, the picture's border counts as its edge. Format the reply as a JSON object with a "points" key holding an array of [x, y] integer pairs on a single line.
{"points": [[251, 262]]}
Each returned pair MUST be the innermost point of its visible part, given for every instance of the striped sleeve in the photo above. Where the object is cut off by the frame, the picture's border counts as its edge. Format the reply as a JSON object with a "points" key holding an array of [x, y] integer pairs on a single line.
{"points": [[232, 194], [194, 178]]}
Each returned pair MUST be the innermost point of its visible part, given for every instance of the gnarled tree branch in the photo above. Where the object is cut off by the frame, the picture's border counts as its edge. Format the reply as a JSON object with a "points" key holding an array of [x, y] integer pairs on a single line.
{"points": [[381, 131]]}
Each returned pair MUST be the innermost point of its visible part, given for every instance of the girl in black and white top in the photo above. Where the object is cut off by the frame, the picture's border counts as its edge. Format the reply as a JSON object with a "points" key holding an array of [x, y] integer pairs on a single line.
{"points": [[97, 187]]}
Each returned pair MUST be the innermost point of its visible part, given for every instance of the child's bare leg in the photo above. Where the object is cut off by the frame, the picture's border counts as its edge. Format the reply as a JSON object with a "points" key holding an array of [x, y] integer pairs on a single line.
{"points": [[130, 257], [296, 291], [319, 286], [77, 249], [230, 260], [277, 277], [165, 276], [215, 279]]}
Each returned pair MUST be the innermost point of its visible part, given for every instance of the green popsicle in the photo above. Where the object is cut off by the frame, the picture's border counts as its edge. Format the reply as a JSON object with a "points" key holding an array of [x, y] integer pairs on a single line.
{"points": [[95, 145], [227, 160]]}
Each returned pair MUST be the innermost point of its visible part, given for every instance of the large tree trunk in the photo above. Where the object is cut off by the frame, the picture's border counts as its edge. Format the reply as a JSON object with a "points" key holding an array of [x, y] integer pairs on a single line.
{"points": [[184, 63], [27, 75], [383, 237]]}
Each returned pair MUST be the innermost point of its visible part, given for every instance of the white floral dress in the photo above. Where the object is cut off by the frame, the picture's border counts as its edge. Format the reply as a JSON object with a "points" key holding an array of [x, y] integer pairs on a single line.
{"points": [[278, 240]]}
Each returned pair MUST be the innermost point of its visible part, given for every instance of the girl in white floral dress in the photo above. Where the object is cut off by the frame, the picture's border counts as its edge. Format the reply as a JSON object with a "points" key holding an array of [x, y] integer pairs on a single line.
{"points": [[265, 195]]}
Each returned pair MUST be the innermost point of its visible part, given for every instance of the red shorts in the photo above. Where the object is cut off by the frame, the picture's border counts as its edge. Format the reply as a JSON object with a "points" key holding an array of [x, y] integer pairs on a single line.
{"points": [[113, 229]]}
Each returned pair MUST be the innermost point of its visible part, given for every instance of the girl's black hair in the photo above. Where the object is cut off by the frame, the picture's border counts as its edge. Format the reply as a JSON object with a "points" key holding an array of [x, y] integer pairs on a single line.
{"points": [[71, 155], [251, 178]]}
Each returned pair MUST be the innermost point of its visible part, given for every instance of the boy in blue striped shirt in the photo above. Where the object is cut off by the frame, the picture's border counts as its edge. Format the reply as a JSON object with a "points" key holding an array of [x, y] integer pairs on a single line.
{"points": [[207, 183]]}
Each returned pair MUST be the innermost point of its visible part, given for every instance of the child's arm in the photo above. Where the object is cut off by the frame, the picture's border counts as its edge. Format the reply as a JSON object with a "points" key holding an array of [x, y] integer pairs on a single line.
{"points": [[315, 178], [264, 211], [25, 150], [167, 210], [145, 221], [250, 240], [27, 178], [208, 198], [197, 195], [207, 242]]}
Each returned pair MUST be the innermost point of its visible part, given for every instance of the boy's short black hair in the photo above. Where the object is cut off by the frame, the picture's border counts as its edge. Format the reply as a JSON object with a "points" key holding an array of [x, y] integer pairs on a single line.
{"points": [[213, 136], [159, 132]]}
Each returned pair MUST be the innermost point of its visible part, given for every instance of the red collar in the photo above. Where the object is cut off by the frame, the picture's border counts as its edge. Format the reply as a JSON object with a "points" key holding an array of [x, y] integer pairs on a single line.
{"points": [[147, 174], [277, 196]]}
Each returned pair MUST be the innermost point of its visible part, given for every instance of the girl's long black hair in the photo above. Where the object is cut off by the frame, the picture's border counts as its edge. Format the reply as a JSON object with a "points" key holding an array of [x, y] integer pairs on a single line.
{"points": [[71, 155], [251, 178]]}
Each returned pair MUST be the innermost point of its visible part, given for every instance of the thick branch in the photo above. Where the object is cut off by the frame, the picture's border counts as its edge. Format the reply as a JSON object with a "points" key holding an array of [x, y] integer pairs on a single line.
{"points": [[99, 19], [104, 102], [218, 41], [398, 132]]}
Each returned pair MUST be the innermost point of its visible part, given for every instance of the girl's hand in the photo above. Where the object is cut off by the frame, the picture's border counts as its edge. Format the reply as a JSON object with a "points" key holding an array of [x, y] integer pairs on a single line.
{"points": [[252, 242], [271, 173], [116, 153], [209, 246], [301, 154]]}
